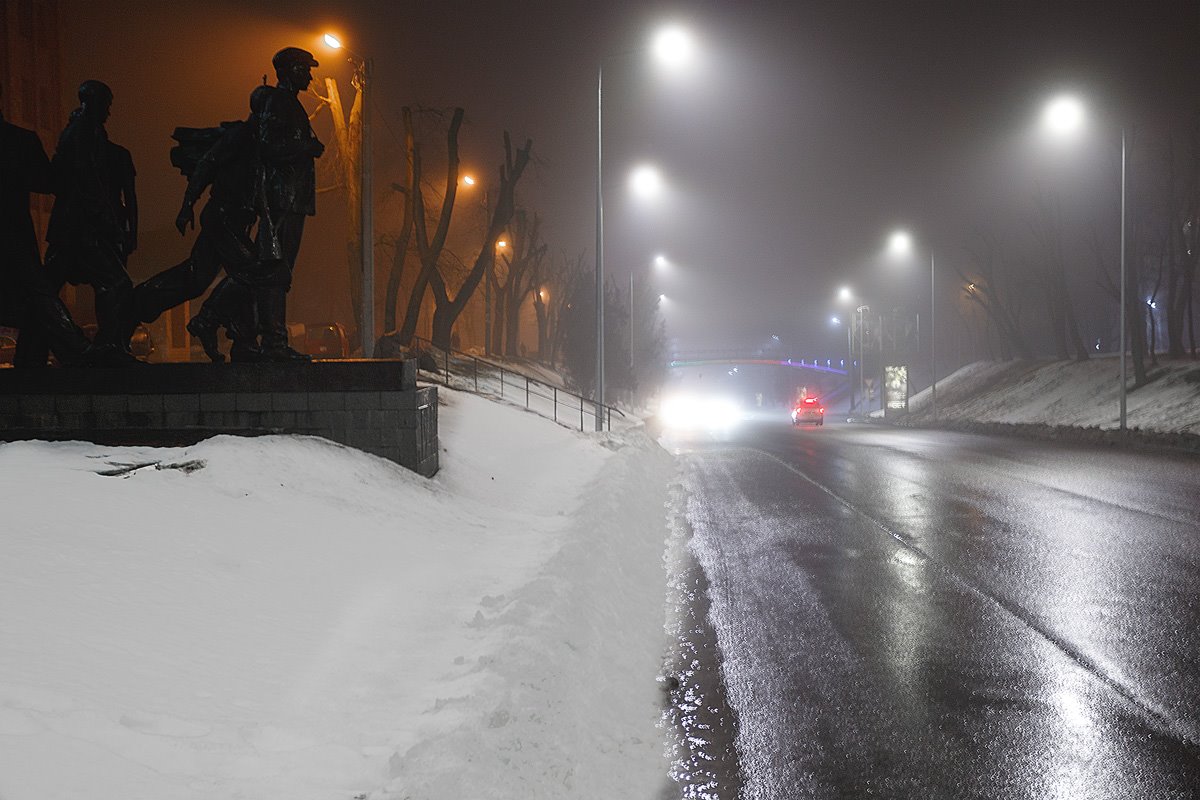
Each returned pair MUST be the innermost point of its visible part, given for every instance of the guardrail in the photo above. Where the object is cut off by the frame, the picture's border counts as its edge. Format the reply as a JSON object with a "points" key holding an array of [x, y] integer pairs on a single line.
{"points": [[540, 397]]}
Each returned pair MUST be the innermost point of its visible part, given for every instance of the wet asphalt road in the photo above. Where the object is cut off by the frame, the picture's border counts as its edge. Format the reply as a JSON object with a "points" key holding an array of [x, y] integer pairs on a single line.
{"points": [[940, 615]]}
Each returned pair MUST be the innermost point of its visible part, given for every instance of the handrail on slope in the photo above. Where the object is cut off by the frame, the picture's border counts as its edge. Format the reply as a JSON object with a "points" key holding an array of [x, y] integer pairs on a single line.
{"points": [[538, 394]]}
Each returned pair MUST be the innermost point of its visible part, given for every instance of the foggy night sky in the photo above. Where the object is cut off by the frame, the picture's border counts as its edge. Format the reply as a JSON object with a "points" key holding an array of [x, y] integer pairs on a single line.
{"points": [[805, 132]]}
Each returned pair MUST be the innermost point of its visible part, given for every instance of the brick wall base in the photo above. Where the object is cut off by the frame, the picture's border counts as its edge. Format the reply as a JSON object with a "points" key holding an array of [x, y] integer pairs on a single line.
{"points": [[370, 404]]}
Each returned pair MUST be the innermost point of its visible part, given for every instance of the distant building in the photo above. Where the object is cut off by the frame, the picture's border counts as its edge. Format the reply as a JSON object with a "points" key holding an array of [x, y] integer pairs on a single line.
{"points": [[31, 70]]}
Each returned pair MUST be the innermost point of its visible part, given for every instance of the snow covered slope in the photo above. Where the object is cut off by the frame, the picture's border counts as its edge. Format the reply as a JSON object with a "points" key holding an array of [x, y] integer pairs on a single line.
{"points": [[1067, 393], [287, 617]]}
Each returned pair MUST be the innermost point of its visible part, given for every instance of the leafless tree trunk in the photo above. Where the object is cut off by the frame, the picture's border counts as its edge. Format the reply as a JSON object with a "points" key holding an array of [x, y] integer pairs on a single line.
{"points": [[561, 278], [403, 241], [524, 273], [987, 291], [1134, 310], [447, 309], [1047, 230], [429, 249]]}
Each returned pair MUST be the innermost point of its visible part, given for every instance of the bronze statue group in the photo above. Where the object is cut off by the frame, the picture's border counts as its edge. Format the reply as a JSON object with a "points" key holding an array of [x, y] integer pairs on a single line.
{"points": [[261, 179]]}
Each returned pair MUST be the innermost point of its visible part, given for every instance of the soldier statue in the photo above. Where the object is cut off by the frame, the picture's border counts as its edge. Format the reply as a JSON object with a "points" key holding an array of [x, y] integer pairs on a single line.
{"points": [[93, 227], [28, 297], [288, 148], [228, 163]]}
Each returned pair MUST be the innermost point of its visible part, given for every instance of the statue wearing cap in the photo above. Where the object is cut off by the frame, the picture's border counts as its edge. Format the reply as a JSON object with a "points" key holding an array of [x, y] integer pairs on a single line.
{"points": [[288, 149]]}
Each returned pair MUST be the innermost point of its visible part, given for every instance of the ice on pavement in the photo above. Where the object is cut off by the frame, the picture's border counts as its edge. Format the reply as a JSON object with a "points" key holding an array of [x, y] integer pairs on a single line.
{"points": [[286, 617]]}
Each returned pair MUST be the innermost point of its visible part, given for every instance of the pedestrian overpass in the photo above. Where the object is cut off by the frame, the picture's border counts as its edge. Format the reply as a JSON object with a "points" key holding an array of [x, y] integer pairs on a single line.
{"points": [[682, 361]]}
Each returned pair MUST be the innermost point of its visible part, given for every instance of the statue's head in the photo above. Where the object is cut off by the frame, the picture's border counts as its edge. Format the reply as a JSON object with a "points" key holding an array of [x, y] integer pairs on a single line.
{"points": [[258, 99], [95, 98], [293, 67]]}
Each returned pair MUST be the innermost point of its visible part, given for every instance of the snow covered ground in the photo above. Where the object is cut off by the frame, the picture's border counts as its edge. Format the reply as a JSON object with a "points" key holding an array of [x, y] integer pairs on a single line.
{"points": [[1067, 394], [287, 617]]}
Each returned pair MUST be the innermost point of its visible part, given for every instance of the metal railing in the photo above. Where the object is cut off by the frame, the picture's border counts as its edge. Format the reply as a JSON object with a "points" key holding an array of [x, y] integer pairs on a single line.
{"points": [[540, 397]]}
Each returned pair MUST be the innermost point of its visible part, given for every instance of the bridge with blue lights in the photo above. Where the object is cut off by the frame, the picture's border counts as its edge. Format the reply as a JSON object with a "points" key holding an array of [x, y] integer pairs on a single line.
{"points": [[815, 364]]}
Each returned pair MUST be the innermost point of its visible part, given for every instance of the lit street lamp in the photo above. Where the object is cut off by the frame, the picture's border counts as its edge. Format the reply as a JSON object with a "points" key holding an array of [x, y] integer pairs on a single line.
{"points": [[660, 261], [672, 47], [900, 243], [835, 322], [469, 180], [363, 72], [1064, 116]]}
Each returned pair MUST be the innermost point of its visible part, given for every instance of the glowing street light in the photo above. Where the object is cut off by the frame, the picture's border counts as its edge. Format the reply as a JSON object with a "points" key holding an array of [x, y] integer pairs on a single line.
{"points": [[660, 261], [672, 47], [468, 180], [900, 245], [845, 295], [1064, 117], [363, 71], [646, 182]]}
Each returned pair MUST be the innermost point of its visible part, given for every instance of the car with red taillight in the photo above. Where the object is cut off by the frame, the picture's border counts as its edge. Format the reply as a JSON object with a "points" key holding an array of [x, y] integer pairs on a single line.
{"points": [[808, 411]]}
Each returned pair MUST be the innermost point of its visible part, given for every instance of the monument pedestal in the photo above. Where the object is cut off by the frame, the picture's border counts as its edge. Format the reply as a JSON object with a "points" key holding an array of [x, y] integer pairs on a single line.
{"points": [[373, 405]]}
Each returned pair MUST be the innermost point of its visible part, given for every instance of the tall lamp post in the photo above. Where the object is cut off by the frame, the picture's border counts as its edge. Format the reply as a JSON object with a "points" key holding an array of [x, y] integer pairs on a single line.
{"points": [[900, 243], [363, 74], [846, 296], [862, 385], [671, 45], [836, 321], [1064, 116]]}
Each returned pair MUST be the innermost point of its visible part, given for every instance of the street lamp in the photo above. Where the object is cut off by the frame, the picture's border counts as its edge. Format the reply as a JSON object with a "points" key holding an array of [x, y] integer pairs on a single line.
{"points": [[900, 243], [1064, 116], [672, 46], [469, 181], [660, 262], [862, 385], [835, 322], [363, 73]]}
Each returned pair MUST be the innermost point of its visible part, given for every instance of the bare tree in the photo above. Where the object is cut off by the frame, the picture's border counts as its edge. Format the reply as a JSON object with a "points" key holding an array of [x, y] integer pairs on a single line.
{"points": [[523, 264], [1133, 306], [429, 248], [563, 279], [1173, 211], [447, 309], [403, 241], [1047, 229], [987, 290]]}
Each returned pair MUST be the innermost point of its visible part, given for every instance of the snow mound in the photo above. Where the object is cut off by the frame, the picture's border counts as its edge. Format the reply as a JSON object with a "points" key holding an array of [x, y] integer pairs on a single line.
{"points": [[1054, 397], [285, 616]]}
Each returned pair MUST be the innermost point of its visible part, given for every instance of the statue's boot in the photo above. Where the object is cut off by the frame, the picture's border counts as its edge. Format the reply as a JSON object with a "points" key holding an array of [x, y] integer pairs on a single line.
{"points": [[208, 321], [109, 355], [241, 311], [168, 289], [49, 327], [114, 315], [272, 322]]}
